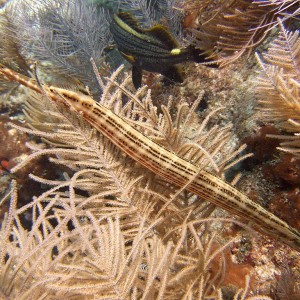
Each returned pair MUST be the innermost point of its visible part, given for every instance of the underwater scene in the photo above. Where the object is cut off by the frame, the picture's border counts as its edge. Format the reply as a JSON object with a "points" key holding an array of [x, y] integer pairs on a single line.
{"points": [[150, 149]]}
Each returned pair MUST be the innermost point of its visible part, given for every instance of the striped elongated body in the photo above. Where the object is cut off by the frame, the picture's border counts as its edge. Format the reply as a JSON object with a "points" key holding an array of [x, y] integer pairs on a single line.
{"points": [[165, 163]]}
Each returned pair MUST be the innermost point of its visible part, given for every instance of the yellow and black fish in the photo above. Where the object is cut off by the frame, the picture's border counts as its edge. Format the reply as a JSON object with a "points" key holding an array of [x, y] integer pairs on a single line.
{"points": [[153, 50]]}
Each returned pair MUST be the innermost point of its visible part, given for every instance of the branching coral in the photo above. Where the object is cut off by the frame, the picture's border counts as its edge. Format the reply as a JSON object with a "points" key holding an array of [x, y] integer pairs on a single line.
{"points": [[278, 87]]}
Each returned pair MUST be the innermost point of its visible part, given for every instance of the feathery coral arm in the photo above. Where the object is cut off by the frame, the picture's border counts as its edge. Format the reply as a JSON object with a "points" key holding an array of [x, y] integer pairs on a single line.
{"points": [[163, 162]]}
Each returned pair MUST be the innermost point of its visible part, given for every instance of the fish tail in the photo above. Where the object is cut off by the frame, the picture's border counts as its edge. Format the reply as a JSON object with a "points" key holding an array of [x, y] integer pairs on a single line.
{"points": [[199, 56]]}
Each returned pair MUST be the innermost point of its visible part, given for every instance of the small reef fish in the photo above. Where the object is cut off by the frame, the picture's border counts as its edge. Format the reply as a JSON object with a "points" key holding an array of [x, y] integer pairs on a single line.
{"points": [[153, 50]]}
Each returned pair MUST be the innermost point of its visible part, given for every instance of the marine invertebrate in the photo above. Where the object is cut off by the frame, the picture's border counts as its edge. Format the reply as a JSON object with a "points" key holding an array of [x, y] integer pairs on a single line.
{"points": [[229, 29], [64, 34], [278, 87], [102, 257], [287, 287], [105, 202], [163, 162], [148, 12], [123, 231], [10, 49]]}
